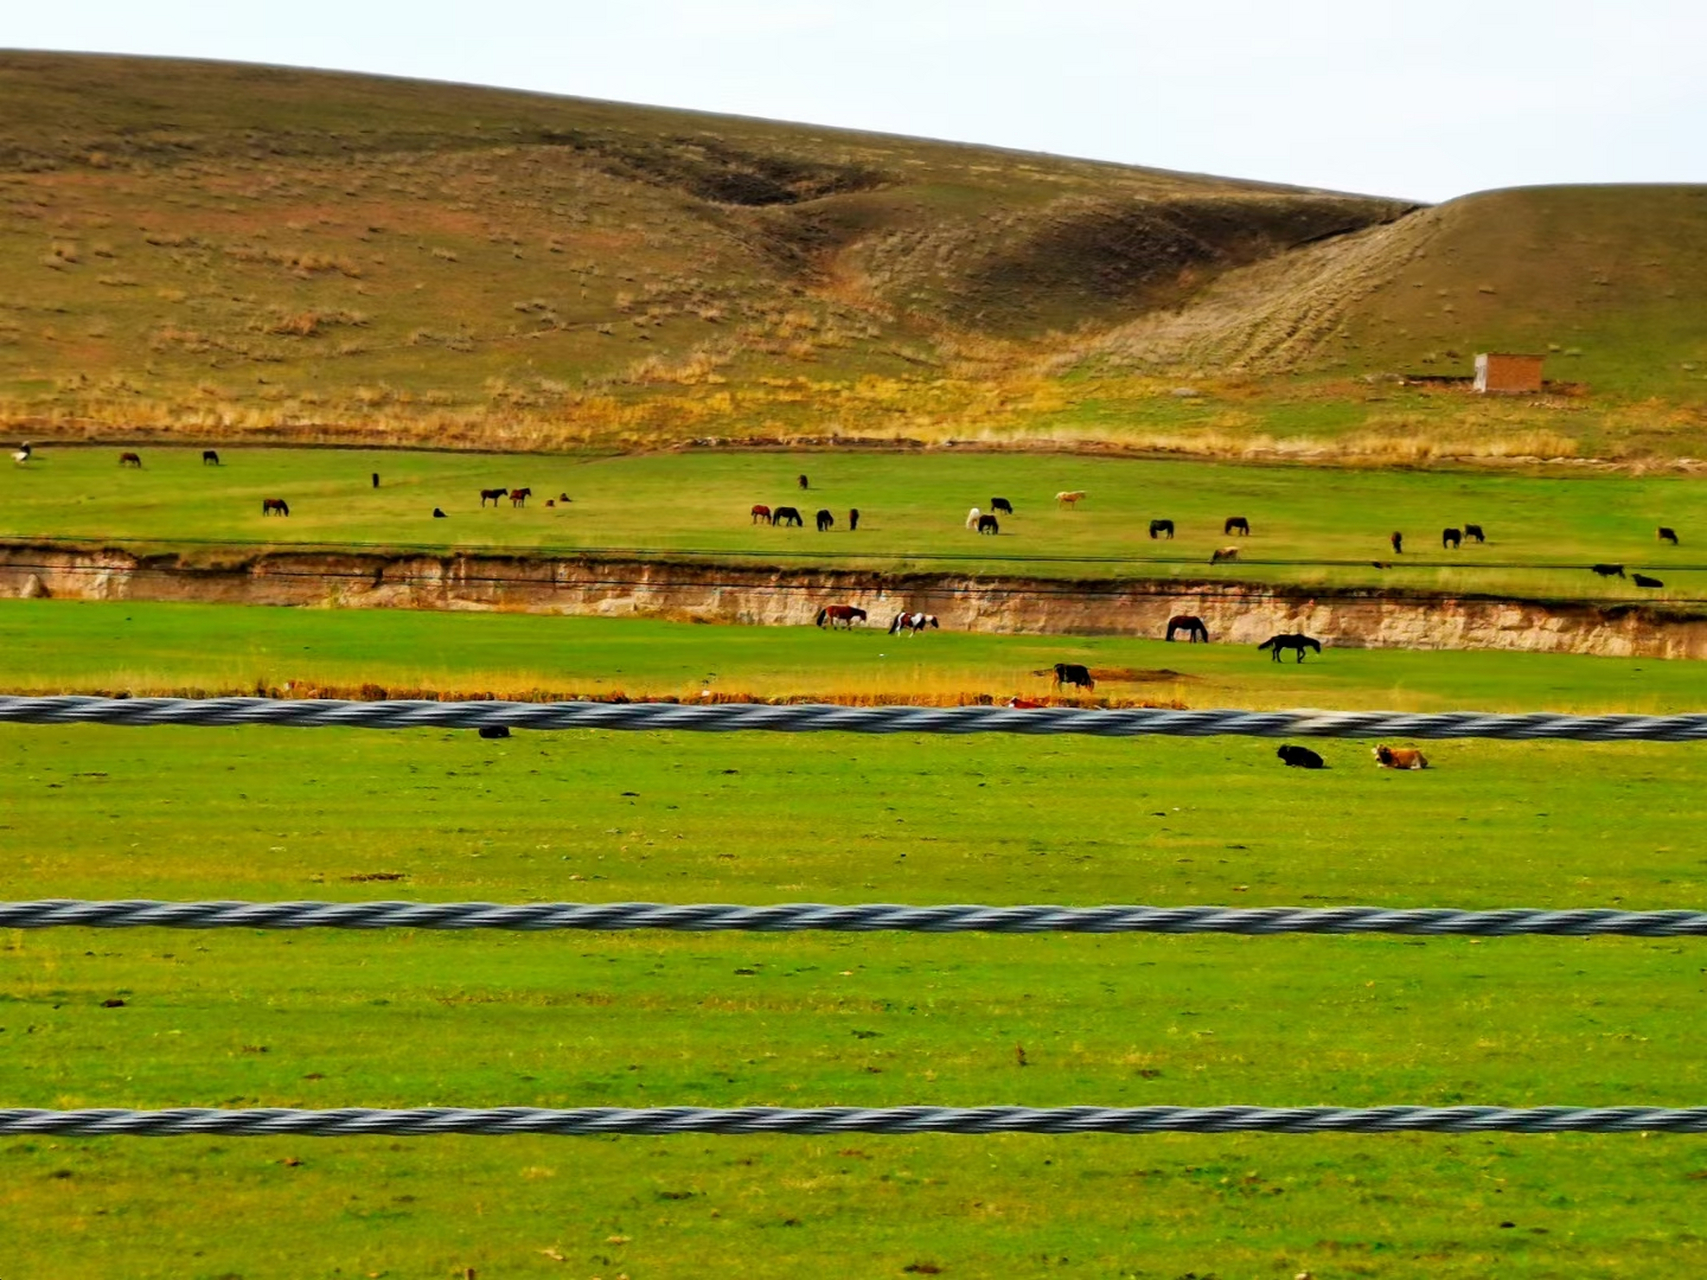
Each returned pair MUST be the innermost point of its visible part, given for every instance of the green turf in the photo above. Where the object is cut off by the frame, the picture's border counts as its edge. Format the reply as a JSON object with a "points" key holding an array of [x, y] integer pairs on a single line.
{"points": [[252, 1018], [56, 646], [913, 511]]}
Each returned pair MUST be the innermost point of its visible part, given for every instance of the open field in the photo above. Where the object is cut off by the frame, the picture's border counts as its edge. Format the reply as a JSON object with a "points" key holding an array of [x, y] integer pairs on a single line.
{"points": [[401, 1018], [912, 513], [138, 648]]}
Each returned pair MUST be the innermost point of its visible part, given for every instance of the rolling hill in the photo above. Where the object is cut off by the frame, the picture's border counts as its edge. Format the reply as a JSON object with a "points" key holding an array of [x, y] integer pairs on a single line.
{"points": [[227, 249]]}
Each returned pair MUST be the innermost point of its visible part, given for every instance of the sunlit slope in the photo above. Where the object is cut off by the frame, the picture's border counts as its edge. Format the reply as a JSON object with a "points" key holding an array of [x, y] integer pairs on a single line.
{"points": [[1609, 282], [261, 245]]}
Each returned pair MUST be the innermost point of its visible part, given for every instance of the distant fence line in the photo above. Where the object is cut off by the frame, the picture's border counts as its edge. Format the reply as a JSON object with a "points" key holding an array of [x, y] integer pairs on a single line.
{"points": [[56, 913], [821, 717]]}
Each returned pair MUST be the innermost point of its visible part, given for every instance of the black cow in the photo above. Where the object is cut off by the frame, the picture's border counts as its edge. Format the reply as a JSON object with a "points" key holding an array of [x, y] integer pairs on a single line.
{"points": [[210, 457], [804, 484], [1159, 527], [826, 521], [1643, 580], [1665, 534], [1608, 570], [787, 516], [1300, 758], [1002, 505], [1072, 673], [438, 514], [1453, 538], [987, 524]]}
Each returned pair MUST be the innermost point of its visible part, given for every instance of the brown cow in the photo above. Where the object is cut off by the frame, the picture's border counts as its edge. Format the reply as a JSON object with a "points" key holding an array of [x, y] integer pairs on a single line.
{"points": [[1400, 757]]}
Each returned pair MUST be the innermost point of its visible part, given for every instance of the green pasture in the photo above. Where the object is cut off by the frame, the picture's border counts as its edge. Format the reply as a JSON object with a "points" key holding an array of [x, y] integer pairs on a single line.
{"points": [[1542, 530], [400, 1018], [58, 646]]}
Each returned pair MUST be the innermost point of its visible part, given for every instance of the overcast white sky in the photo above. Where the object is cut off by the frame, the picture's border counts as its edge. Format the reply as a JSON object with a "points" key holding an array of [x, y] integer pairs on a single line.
{"points": [[1423, 100]]}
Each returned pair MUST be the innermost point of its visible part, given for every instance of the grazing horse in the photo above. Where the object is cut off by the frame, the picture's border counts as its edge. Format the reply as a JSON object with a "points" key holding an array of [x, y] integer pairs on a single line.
{"points": [[1643, 580], [274, 506], [1072, 673], [913, 623], [519, 497], [1238, 525], [1297, 641], [210, 457], [1453, 538], [21, 454], [853, 519], [846, 614], [1399, 757], [374, 477], [1002, 505], [804, 484], [972, 518], [1158, 527], [1224, 553], [1663, 533], [825, 520], [1300, 757], [787, 516], [1398, 541], [987, 524], [439, 514], [1475, 531], [1192, 626], [1070, 497], [135, 460], [761, 513], [492, 496], [1608, 570]]}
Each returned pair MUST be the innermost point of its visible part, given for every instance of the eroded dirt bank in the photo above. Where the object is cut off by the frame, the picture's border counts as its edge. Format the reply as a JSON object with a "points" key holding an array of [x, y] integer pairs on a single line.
{"points": [[1355, 618]]}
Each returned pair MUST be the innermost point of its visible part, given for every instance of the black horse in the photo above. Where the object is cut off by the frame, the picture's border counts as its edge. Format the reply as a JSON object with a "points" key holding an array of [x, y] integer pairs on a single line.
{"points": [[1295, 641], [1453, 538], [1475, 531], [853, 519], [1398, 541], [987, 524], [1159, 527], [1072, 673], [1238, 525], [1002, 505], [826, 521], [1191, 625], [787, 516], [804, 484], [1666, 535]]}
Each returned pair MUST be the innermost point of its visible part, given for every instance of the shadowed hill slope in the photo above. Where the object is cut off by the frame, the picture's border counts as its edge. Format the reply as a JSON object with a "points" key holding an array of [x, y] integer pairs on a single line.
{"points": [[267, 246]]}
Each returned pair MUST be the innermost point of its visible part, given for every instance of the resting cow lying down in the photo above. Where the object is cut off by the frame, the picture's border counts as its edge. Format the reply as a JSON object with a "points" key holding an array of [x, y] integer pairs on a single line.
{"points": [[1400, 758]]}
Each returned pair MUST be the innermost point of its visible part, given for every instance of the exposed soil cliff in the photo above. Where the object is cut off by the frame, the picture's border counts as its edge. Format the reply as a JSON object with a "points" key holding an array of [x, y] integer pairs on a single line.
{"points": [[1353, 618]]}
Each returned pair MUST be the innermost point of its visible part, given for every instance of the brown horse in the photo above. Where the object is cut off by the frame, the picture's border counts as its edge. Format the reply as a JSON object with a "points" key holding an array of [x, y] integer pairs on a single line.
{"points": [[130, 460], [519, 497], [761, 513], [1236, 524], [274, 507], [492, 496], [846, 614], [1191, 625]]}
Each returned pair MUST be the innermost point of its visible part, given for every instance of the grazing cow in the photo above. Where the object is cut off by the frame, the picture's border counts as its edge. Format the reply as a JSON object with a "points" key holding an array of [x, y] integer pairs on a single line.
{"points": [[853, 519], [1191, 625], [1070, 497], [1074, 674], [846, 614], [1453, 538], [972, 518], [761, 514], [438, 514], [804, 484], [210, 457], [1238, 525], [1224, 553], [1398, 541], [130, 460], [1002, 505], [492, 496], [786, 516], [1300, 758], [519, 497], [1296, 640], [1608, 570], [1400, 757], [987, 524], [1643, 580], [826, 521], [274, 506], [913, 623], [1475, 531], [1663, 533], [1159, 527]]}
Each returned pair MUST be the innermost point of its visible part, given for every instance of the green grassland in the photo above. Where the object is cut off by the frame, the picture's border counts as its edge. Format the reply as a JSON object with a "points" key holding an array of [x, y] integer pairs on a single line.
{"points": [[233, 1019], [199, 248], [912, 513]]}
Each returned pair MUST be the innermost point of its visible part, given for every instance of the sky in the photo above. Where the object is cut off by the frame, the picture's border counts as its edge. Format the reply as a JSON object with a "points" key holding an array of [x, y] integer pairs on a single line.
{"points": [[1399, 98]]}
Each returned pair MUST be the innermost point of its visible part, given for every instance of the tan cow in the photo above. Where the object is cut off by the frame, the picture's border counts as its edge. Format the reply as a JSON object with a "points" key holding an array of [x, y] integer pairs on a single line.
{"points": [[1400, 757]]}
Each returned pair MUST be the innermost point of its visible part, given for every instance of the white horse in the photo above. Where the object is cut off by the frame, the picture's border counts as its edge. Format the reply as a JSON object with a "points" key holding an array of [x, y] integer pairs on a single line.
{"points": [[972, 518]]}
